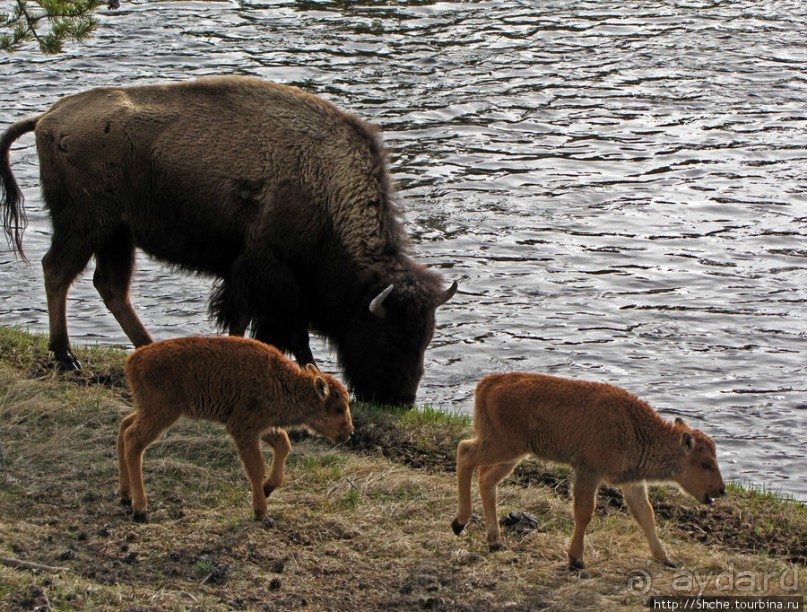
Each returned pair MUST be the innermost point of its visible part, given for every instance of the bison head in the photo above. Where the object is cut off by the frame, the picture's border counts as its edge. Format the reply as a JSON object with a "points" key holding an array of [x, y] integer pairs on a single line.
{"points": [[382, 349]]}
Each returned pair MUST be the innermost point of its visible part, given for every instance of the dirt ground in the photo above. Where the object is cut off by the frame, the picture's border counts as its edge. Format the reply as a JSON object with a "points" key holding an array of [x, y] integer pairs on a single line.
{"points": [[365, 526]]}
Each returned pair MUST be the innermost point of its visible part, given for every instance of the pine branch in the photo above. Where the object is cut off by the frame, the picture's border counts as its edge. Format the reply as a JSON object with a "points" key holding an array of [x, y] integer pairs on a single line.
{"points": [[49, 23]]}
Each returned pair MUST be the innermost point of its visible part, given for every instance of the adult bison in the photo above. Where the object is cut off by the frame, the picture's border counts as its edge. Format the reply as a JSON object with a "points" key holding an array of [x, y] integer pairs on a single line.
{"points": [[282, 196]]}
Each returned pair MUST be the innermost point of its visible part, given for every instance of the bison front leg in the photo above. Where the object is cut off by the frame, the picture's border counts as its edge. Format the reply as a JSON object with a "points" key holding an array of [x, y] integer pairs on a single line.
{"points": [[266, 287], [114, 264], [294, 339], [639, 505], [278, 439]]}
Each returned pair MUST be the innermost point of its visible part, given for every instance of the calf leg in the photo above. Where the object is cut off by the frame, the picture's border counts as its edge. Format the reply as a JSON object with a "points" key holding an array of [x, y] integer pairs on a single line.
{"points": [[489, 478], [585, 494], [278, 439], [470, 455], [141, 432], [248, 444], [113, 275], [642, 510], [465, 471], [124, 487], [61, 264]]}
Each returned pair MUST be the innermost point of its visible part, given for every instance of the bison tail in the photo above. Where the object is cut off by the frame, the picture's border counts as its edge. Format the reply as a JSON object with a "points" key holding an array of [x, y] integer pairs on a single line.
{"points": [[11, 198]]}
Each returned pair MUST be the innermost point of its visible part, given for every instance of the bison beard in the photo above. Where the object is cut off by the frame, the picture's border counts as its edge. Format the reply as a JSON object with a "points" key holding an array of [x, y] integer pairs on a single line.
{"points": [[284, 198]]}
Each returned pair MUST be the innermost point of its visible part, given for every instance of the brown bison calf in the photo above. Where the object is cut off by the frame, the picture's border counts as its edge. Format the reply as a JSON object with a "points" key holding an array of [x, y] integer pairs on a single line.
{"points": [[602, 431], [249, 386]]}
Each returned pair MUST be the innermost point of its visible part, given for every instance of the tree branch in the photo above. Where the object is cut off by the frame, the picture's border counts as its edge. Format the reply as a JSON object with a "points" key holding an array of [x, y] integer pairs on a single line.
{"points": [[20, 564]]}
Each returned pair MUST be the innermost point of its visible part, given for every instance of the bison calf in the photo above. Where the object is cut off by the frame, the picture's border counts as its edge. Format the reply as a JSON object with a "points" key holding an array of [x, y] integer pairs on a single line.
{"points": [[249, 386], [602, 431]]}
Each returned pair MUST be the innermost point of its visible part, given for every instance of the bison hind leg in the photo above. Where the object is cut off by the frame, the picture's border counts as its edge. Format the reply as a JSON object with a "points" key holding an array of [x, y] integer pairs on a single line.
{"points": [[63, 262]]}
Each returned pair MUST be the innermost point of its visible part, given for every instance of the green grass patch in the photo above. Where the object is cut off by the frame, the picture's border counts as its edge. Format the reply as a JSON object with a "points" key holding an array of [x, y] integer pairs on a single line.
{"points": [[319, 467]]}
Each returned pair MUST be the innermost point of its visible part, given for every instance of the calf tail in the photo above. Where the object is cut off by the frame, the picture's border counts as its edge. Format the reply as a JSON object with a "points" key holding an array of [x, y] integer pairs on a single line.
{"points": [[11, 198]]}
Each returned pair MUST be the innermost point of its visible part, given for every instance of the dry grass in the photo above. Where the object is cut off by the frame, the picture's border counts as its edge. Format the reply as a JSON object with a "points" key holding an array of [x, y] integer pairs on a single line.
{"points": [[350, 530]]}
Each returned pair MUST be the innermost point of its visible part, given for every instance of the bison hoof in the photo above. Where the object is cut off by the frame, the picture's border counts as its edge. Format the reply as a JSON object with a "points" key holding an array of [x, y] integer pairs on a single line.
{"points": [[66, 361], [576, 564], [140, 517], [457, 527]]}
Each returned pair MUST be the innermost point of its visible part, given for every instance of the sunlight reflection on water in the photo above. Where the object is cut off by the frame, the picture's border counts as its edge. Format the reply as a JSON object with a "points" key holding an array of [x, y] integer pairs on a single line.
{"points": [[618, 189]]}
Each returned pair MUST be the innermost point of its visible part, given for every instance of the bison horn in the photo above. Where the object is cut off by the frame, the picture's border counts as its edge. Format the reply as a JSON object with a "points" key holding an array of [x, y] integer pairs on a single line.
{"points": [[377, 304], [448, 294]]}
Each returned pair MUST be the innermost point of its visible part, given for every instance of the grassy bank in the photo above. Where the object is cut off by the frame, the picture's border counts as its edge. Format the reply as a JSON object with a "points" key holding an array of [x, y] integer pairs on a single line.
{"points": [[363, 526]]}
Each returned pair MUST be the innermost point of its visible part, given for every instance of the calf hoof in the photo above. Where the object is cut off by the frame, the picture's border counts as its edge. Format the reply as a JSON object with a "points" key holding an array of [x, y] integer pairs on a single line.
{"points": [[496, 546], [259, 515], [126, 502], [266, 521], [457, 527], [668, 562], [576, 564], [140, 517], [268, 488]]}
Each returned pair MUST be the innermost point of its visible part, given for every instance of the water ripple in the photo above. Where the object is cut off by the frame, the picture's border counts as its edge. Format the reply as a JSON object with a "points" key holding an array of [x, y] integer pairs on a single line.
{"points": [[618, 188]]}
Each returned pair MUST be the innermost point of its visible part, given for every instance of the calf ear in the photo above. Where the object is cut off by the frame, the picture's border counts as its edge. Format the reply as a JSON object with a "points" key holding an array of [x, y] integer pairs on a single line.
{"points": [[688, 441], [679, 421], [322, 388], [312, 367]]}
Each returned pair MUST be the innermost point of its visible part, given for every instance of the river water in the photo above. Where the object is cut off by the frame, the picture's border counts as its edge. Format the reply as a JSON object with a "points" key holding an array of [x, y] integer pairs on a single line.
{"points": [[618, 187]]}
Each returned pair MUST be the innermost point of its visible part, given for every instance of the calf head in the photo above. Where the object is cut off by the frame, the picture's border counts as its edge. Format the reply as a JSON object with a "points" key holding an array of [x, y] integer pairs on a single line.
{"points": [[331, 417], [700, 474]]}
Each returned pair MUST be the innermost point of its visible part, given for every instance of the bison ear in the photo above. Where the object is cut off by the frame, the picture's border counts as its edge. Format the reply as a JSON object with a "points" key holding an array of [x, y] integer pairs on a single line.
{"points": [[377, 303], [447, 294], [687, 441], [322, 388]]}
